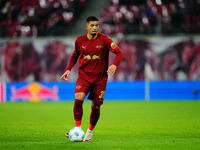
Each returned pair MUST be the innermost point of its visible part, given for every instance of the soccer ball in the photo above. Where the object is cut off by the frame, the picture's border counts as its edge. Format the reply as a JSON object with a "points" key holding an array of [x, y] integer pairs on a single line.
{"points": [[76, 134]]}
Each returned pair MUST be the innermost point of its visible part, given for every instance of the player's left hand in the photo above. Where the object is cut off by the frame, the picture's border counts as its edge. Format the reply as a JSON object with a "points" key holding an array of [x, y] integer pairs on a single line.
{"points": [[111, 69]]}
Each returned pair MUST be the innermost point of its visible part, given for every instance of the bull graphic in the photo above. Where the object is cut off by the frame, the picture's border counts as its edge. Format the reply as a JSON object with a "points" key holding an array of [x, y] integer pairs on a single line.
{"points": [[87, 57], [95, 57]]}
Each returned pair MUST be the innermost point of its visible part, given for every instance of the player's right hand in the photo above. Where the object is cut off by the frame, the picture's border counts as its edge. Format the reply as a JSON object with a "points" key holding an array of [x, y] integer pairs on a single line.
{"points": [[65, 75]]}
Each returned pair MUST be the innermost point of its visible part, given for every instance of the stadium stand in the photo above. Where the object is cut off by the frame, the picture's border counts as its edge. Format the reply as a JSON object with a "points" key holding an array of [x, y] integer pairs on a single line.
{"points": [[55, 17], [38, 17], [31, 60], [151, 16]]}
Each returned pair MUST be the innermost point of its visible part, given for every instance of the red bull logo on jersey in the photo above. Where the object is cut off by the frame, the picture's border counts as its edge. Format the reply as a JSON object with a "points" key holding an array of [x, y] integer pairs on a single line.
{"points": [[87, 57], [34, 92], [93, 57]]}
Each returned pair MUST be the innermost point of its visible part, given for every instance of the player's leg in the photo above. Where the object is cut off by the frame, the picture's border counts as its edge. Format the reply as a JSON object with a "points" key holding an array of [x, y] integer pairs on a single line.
{"points": [[94, 117], [78, 108], [97, 97], [81, 90]]}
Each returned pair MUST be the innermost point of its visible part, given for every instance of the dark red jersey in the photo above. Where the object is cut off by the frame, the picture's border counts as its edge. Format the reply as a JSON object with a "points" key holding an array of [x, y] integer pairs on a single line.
{"points": [[93, 56]]}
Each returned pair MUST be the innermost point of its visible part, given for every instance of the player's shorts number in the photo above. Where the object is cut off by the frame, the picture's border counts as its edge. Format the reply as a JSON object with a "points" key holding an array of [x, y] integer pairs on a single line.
{"points": [[102, 94]]}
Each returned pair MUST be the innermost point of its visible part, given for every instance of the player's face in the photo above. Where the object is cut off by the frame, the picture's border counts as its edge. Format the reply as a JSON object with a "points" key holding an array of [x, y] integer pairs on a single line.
{"points": [[93, 27]]}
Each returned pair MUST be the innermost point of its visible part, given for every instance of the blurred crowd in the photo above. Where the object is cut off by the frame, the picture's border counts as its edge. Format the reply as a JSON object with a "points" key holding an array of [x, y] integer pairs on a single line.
{"points": [[22, 61], [151, 16], [22, 18], [27, 18]]}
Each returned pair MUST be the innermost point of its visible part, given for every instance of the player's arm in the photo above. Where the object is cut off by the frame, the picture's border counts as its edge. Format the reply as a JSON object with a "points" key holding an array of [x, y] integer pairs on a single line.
{"points": [[119, 55], [72, 62]]}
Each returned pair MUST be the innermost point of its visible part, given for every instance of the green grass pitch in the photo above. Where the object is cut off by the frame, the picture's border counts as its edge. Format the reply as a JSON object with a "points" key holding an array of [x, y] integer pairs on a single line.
{"points": [[122, 125]]}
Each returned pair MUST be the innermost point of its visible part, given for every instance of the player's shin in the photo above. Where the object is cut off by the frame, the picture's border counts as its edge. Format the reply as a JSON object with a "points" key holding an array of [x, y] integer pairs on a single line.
{"points": [[94, 117], [78, 112]]}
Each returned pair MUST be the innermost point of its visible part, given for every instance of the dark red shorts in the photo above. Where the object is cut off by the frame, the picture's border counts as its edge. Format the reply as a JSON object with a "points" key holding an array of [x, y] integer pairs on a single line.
{"points": [[97, 90]]}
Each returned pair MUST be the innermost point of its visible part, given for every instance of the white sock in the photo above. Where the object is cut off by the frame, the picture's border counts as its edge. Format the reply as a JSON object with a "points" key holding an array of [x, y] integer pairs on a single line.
{"points": [[90, 130]]}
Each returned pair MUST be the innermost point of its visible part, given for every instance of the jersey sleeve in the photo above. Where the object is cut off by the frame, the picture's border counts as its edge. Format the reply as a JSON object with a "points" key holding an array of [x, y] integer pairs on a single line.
{"points": [[74, 57], [115, 49]]}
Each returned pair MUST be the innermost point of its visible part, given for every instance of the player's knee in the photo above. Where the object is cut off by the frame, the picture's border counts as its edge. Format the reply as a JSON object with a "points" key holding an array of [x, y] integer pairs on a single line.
{"points": [[96, 106], [80, 96]]}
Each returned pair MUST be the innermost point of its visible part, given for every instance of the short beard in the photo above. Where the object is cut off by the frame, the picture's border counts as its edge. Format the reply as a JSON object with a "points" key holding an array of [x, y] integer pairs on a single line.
{"points": [[93, 35]]}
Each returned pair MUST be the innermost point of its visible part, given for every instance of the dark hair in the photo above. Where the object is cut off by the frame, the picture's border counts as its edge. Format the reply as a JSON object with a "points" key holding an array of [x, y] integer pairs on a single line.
{"points": [[92, 18]]}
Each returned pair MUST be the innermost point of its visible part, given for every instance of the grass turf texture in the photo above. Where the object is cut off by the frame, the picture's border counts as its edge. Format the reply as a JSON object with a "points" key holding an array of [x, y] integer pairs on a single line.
{"points": [[122, 125]]}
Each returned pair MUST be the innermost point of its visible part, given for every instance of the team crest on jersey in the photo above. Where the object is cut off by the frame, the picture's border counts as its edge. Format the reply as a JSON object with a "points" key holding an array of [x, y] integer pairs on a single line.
{"points": [[78, 87], [99, 47], [113, 45]]}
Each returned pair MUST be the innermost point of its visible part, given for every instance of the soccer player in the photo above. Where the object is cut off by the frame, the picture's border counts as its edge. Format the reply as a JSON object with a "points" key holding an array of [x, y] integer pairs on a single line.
{"points": [[92, 49]]}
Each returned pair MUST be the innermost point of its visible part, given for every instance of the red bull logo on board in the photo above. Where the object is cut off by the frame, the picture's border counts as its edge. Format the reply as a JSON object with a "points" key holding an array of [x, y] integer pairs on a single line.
{"points": [[2, 92], [34, 92]]}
